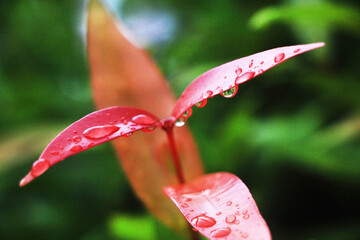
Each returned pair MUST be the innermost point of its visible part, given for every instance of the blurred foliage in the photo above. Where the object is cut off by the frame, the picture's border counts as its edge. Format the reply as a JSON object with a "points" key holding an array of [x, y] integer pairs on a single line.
{"points": [[292, 135]]}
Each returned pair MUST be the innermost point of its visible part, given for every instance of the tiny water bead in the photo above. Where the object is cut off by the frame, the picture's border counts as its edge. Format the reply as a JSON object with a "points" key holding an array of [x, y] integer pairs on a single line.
{"points": [[230, 92], [149, 129], [297, 50], [77, 139], [229, 203], [203, 221], [243, 78], [100, 131], [279, 57], [39, 167], [220, 232], [143, 120], [202, 103], [128, 134], [208, 94], [230, 218]]}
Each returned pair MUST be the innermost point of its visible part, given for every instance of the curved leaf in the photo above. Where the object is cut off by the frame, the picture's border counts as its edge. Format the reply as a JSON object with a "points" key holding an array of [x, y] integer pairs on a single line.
{"points": [[220, 206], [93, 129], [123, 74], [225, 78]]}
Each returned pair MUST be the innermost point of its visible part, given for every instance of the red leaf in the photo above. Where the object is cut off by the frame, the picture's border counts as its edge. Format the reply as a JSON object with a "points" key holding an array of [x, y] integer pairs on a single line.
{"points": [[93, 129], [123, 74], [219, 206], [225, 78]]}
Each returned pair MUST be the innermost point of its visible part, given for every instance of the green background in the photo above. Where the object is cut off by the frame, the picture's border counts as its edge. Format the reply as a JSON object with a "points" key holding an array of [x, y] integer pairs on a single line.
{"points": [[292, 134]]}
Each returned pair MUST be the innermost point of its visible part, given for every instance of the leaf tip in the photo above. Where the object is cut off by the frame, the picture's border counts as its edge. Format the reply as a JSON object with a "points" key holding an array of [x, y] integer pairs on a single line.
{"points": [[27, 179]]}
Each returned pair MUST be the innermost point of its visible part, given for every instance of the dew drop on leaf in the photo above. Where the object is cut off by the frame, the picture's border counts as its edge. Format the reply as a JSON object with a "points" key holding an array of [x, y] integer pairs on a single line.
{"points": [[187, 113], [149, 129], [279, 57], [229, 203], [39, 167], [230, 92], [238, 71], [77, 139], [180, 122], [243, 78], [143, 120], [76, 148], [208, 94], [220, 232], [128, 134], [230, 218], [202, 103], [297, 50], [203, 221], [100, 131]]}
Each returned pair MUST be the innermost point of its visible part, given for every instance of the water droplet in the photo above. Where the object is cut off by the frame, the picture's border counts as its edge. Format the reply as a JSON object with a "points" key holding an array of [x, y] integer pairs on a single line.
{"points": [[76, 148], [246, 216], [243, 78], [236, 205], [180, 122], [202, 103], [260, 71], [128, 134], [77, 139], [184, 205], [203, 221], [143, 120], [245, 212], [237, 213], [218, 213], [75, 132], [55, 153], [244, 235], [297, 50], [100, 131], [262, 62], [251, 64], [230, 92], [149, 129], [230, 218], [237, 222], [217, 199], [279, 57], [238, 71], [187, 113], [208, 94], [220, 232], [39, 167], [229, 203]]}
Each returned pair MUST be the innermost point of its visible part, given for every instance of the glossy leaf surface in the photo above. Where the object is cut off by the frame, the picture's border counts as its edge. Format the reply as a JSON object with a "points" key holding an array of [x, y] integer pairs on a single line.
{"points": [[225, 78], [220, 206], [124, 75], [93, 129]]}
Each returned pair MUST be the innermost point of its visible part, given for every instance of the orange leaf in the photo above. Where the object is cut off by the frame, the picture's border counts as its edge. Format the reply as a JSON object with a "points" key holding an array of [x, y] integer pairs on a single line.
{"points": [[124, 74]]}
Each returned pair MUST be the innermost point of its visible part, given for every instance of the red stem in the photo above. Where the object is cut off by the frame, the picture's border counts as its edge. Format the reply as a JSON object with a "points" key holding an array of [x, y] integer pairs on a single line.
{"points": [[175, 155]]}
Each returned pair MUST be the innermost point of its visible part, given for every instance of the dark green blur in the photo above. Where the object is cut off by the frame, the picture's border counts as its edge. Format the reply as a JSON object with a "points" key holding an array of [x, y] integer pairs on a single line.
{"points": [[292, 134]]}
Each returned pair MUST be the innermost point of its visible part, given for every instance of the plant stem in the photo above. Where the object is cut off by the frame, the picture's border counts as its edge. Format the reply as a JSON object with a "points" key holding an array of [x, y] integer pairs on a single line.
{"points": [[175, 155]]}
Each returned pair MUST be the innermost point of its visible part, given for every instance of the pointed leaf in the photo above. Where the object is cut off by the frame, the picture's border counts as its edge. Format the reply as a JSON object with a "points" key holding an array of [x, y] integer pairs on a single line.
{"points": [[93, 129], [225, 78], [123, 74], [220, 206]]}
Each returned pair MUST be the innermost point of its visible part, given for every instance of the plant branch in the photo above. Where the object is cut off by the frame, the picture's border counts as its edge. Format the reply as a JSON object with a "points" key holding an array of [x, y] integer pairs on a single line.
{"points": [[175, 155]]}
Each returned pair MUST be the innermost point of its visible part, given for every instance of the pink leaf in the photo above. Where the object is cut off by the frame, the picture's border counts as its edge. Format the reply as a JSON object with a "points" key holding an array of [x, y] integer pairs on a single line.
{"points": [[93, 129], [224, 79], [220, 206]]}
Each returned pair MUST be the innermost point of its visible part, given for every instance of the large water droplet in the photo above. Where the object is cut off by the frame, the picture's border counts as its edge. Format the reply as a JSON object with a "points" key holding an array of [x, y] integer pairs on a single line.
{"points": [[187, 113], [100, 131], [203, 221], [202, 103], [180, 122], [143, 120], [279, 57], [243, 78], [39, 167], [230, 92], [220, 232], [230, 218], [76, 148]]}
